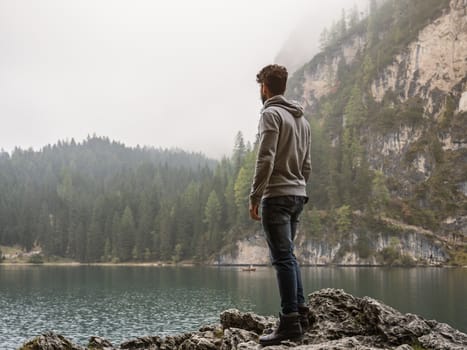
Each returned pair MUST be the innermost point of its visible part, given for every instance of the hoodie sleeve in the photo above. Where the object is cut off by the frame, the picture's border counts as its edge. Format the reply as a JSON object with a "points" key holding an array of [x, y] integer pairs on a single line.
{"points": [[269, 126], [306, 168]]}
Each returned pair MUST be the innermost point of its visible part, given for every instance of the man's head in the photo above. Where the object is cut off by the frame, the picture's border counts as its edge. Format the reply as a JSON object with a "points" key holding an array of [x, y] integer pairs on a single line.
{"points": [[273, 80]]}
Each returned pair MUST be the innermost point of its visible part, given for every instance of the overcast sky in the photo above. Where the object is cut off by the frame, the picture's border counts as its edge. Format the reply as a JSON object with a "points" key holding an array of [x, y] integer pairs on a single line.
{"points": [[177, 73]]}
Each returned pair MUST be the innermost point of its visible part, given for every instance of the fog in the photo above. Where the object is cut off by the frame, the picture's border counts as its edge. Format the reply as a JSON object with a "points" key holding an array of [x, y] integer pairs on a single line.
{"points": [[158, 73]]}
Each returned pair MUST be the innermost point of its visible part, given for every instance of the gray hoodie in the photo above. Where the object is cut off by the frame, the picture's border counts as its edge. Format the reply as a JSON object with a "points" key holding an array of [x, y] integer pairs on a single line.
{"points": [[283, 163]]}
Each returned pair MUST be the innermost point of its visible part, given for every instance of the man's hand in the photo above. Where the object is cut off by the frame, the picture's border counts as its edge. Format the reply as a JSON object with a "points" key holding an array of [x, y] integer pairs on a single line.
{"points": [[254, 212]]}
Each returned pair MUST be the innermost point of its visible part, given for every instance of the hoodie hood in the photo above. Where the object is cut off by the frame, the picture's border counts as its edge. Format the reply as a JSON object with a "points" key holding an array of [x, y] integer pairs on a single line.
{"points": [[292, 107]]}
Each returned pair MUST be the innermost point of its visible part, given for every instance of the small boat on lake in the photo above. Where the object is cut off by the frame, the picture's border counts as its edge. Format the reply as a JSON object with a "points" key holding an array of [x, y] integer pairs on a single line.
{"points": [[249, 268]]}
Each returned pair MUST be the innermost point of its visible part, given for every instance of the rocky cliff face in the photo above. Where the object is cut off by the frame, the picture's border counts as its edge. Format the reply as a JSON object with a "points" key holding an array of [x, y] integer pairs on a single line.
{"points": [[432, 68], [433, 64], [321, 77], [418, 247]]}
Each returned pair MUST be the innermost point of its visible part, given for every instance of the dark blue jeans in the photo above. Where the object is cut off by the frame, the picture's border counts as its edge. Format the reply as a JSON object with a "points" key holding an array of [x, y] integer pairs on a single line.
{"points": [[279, 218]]}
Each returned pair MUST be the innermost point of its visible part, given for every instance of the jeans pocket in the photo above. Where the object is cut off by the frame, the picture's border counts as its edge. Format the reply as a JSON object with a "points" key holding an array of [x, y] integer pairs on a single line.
{"points": [[274, 214]]}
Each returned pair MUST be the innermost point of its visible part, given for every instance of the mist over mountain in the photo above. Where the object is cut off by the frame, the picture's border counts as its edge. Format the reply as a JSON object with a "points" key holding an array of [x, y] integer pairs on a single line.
{"points": [[304, 41]]}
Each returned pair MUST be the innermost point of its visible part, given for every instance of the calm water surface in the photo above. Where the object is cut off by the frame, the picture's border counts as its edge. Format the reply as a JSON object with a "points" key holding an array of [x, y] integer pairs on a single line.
{"points": [[119, 302]]}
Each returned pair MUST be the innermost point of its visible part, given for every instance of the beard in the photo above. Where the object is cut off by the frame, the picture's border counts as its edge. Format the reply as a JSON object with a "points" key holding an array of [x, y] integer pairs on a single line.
{"points": [[263, 98]]}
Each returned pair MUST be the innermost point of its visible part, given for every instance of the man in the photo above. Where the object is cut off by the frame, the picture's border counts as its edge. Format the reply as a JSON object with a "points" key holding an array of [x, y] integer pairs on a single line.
{"points": [[283, 167]]}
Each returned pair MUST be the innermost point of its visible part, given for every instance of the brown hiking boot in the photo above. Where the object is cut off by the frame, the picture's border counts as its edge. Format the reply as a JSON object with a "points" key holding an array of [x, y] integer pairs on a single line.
{"points": [[289, 329], [304, 312]]}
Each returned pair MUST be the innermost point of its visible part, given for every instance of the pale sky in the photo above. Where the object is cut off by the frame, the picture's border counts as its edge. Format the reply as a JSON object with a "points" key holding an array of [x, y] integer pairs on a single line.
{"points": [[177, 73]]}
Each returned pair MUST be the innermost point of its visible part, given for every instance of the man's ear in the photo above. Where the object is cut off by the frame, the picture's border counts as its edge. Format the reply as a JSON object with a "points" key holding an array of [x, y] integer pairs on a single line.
{"points": [[264, 90]]}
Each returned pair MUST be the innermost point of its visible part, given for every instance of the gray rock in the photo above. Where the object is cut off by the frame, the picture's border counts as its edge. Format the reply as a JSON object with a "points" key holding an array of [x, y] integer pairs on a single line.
{"points": [[234, 318], [216, 328], [207, 338], [251, 345], [443, 337], [201, 342], [148, 342], [98, 343], [235, 336], [174, 341], [340, 314], [404, 347], [50, 341]]}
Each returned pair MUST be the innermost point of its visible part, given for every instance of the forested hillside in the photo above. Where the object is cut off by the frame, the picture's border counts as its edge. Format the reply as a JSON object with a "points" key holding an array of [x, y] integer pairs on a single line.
{"points": [[385, 98], [343, 111], [101, 201]]}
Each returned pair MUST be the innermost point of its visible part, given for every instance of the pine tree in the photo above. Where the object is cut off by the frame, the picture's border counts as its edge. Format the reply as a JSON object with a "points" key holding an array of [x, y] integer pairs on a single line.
{"points": [[165, 229], [115, 236], [315, 224], [231, 206], [238, 152], [95, 234], [75, 239], [320, 151], [212, 212], [343, 219], [354, 17], [346, 167], [398, 15], [65, 188], [379, 193], [242, 188], [324, 39], [372, 28], [333, 187], [143, 237], [126, 235], [333, 33], [343, 24], [355, 111], [44, 225], [107, 251]]}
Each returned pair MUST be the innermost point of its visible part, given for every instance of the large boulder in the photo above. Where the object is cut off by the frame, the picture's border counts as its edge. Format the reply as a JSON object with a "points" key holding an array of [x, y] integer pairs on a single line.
{"points": [[340, 315], [249, 321], [50, 341]]}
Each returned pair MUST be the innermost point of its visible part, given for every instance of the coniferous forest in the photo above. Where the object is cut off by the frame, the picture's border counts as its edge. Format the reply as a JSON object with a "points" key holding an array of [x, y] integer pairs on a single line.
{"points": [[101, 201]]}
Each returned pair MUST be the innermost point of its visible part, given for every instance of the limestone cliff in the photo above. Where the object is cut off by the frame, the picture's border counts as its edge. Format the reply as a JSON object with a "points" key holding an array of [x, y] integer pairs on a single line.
{"points": [[432, 65], [417, 247]]}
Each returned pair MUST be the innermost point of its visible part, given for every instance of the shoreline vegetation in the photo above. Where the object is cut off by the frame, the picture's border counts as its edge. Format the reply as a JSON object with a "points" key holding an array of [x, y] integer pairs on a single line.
{"points": [[192, 264], [15, 256]]}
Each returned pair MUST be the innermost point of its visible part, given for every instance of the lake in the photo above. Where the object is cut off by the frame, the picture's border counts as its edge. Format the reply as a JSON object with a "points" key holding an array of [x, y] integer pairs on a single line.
{"points": [[122, 302]]}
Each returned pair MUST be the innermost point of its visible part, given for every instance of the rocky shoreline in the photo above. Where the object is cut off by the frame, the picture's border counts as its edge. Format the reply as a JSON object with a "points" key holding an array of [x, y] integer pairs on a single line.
{"points": [[338, 321]]}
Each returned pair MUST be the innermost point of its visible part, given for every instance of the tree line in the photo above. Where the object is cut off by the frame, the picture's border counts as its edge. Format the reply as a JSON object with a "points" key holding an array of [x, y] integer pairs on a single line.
{"points": [[102, 201]]}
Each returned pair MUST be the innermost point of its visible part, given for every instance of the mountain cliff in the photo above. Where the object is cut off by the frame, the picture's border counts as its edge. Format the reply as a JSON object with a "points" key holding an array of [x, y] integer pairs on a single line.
{"points": [[387, 101]]}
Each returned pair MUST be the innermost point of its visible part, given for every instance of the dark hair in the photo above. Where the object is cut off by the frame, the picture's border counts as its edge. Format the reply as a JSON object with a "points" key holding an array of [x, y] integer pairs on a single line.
{"points": [[274, 77]]}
